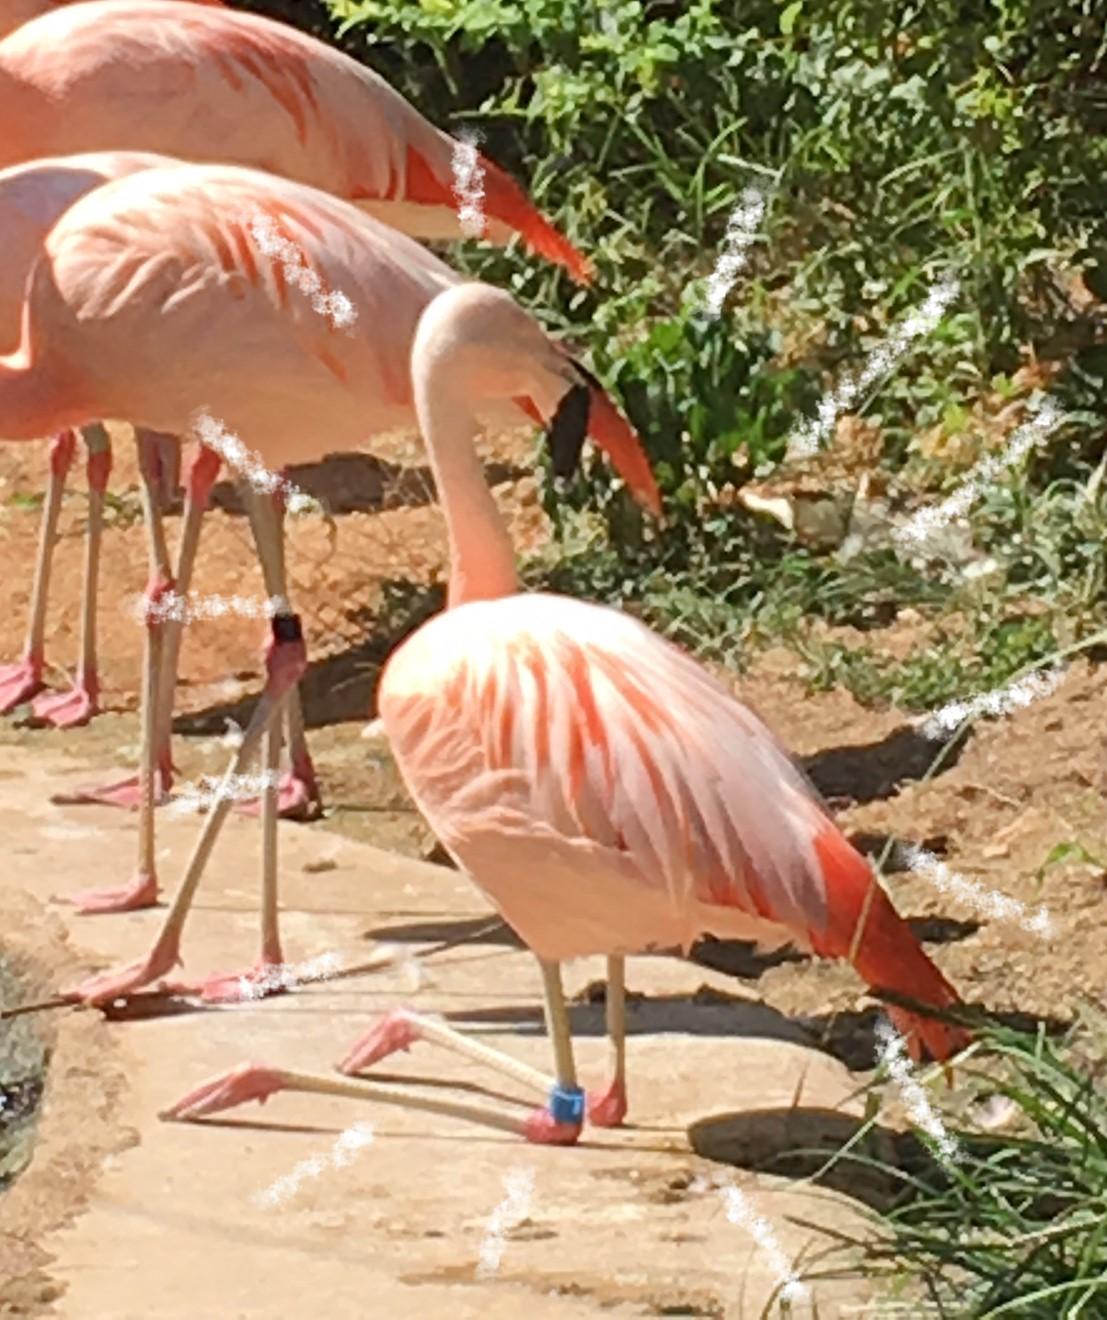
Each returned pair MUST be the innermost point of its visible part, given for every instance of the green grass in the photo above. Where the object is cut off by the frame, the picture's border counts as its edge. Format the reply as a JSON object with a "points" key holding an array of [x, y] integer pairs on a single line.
{"points": [[1017, 1225]]}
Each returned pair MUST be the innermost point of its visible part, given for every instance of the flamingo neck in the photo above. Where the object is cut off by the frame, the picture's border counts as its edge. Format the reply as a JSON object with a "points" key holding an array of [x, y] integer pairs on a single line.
{"points": [[482, 558]]}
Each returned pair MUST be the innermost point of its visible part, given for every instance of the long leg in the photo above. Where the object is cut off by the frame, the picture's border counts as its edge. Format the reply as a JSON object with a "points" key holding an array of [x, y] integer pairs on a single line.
{"points": [[298, 796], [202, 473], [559, 1124], [266, 521], [69, 710], [286, 661], [127, 792], [142, 891], [608, 1108], [19, 682]]}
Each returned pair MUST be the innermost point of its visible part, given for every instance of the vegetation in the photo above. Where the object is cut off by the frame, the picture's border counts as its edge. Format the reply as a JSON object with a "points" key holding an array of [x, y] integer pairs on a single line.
{"points": [[1013, 1225], [894, 146]]}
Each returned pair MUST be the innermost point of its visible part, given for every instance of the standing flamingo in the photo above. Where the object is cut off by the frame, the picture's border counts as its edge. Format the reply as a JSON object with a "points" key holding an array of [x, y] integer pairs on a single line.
{"points": [[32, 197], [599, 786], [151, 303], [23, 680], [218, 85]]}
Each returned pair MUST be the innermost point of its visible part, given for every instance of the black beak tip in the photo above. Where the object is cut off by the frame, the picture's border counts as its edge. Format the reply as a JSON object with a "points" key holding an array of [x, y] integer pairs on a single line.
{"points": [[568, 430]]}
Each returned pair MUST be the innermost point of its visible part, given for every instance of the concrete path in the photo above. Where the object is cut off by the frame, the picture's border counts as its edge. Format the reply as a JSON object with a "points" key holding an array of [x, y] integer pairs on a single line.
{"points": [[124, 1217]]}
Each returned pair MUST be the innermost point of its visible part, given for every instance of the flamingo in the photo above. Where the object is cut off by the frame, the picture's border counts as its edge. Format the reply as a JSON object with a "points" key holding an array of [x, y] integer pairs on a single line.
{"points": [[150, 303], [32, 197], [600, 787], [22, 681], [14, 13], [231, 87]]}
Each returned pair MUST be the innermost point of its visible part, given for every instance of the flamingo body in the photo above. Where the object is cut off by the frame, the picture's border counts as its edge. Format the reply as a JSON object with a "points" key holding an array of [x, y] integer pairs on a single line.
{"points": [[14, 13], [609, 796], [154, 301], [33, 196], [213, 84]]}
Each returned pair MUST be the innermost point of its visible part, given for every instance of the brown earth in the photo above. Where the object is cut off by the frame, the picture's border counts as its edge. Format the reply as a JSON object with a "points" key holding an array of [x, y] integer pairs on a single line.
{"points": [[1018, 788]]}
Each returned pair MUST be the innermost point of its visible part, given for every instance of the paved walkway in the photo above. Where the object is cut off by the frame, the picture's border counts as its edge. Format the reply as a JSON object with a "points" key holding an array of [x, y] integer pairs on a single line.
{"points": [[124, 1217]]}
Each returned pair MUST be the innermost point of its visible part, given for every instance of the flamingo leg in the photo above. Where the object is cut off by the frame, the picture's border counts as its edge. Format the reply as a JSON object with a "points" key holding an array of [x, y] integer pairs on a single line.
{"points": [[298, 796], [127, 792], [142, 891], [266, 521], [608, 1108], [69, 710], [254, 1082], [202, 473], [558, 1124], [19, 682], [285, 663]]}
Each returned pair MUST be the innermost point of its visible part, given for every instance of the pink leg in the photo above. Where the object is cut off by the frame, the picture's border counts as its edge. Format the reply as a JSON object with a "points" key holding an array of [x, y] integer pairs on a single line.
{"points": [[69, 710], [142, 890], [285, 662], [298, 796], [608, 1108], [127, 792], [19, 682], [557, 1124]]}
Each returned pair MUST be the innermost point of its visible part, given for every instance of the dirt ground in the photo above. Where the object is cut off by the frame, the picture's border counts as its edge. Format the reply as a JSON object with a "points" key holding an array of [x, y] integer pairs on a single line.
{"points": [[1015, 790]]}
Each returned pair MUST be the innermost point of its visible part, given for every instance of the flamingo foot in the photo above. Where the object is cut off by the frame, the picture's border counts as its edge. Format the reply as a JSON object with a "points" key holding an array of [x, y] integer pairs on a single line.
{"points": [[264, 979], [124, 793], [249, 1081], [543, 1129], [607, 1109], [395, 1031], [109, 986], [297, 799], [142, 892], [19, 683], [69, 710]]}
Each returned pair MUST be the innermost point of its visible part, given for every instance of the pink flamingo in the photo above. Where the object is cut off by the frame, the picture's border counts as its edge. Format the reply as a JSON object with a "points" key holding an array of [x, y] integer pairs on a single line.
{"points": [[232, 87], [600, 787], [151, 303], [14, 13], [32, 197]]}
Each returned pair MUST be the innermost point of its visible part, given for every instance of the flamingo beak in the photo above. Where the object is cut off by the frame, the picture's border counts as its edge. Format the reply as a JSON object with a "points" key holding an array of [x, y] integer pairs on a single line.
{"points": [[623, 446], [585, 410]]}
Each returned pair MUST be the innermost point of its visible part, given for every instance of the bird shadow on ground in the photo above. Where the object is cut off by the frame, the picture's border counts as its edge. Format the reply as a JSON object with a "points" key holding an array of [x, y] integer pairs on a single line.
{"points": [[868, 772], [359, 483], [805, 1143], [736, 958]]}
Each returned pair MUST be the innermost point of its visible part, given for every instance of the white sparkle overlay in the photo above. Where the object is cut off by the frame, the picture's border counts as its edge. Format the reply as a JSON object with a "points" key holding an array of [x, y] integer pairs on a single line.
{"points": [[1023, 692], [918, 529], [469, 182], [282, 1189], [234, 453], [892, 1054], [806, 438], [512, 1210], [988, 901], [333, 305], [175, 608], [741, 230], [212, 789], [740, 1211]]}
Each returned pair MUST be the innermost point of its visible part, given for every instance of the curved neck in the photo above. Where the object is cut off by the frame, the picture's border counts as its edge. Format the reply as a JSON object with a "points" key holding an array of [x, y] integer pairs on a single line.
{"points": [[482, 558]]}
